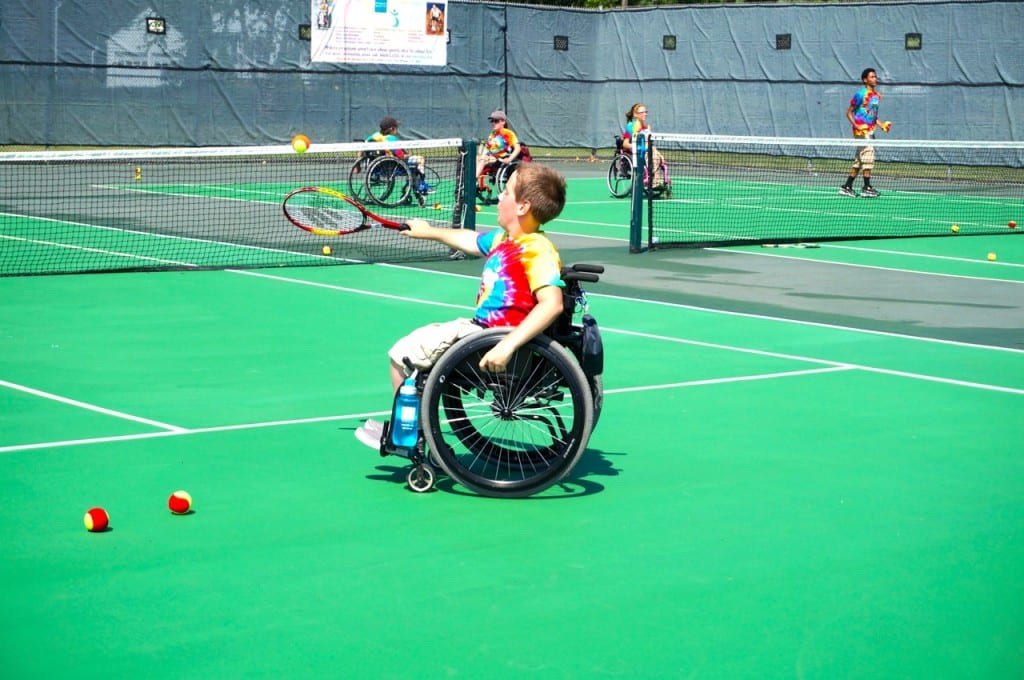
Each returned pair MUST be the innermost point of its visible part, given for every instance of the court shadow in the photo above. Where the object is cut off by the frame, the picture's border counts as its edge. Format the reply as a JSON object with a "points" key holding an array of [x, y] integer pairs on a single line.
{"points": [[579, 482]]}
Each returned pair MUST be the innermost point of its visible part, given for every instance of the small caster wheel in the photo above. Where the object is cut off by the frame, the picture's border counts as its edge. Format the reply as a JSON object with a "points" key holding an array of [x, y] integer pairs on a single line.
{"points": [[420, 478]]}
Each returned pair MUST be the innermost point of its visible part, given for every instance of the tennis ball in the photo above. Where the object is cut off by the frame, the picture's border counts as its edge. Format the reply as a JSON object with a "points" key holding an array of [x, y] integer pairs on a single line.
{"points": [[437, 206], [180, 502], [300, 143], [477, 208], [991, 257], [327, 250], [1011, 224], [96, 520], [955, 229]]}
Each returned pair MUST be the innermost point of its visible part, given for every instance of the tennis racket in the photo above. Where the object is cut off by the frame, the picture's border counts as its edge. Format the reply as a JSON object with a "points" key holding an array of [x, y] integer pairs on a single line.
{"points": [[327, 212]]}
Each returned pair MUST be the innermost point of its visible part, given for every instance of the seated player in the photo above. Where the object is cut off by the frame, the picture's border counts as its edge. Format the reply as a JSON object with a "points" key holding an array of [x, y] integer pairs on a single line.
{"points": [[389, 133], [521, 285], [636, 122], [502, 146]]}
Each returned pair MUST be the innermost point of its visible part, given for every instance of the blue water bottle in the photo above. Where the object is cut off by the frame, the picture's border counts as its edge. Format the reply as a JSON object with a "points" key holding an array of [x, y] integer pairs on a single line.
{"points": [[405, 418]]}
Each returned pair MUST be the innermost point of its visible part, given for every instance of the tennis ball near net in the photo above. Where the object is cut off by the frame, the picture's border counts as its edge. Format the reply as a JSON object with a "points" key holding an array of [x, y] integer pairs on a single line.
{"points": [[326, 250], [991, 257], [180, 502], [300, 143], [96, 520], [1011, 224], [955, 229]]}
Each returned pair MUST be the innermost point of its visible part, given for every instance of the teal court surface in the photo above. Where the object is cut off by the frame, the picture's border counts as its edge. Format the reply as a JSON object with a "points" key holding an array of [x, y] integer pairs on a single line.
{"points": [[807, 466]]}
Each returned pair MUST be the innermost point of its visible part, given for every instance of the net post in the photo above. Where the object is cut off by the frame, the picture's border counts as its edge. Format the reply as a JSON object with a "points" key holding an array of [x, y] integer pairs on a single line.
{"points": [[469, 185], [636, 218]]}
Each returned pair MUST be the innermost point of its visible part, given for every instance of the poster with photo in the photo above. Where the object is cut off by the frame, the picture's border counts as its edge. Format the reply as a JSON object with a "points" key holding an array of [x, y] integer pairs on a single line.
{"points": [[407, 32]]}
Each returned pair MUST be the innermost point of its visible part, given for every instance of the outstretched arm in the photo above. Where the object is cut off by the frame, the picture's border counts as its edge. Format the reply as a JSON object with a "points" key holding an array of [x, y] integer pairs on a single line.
{"points": [[460, 239]]}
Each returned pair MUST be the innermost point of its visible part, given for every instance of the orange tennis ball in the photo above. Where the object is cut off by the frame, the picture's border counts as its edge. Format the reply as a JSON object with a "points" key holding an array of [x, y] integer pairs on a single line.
{"points": [[180, 502], [478, 208], [1011, 224], [96, 520], [300, 143]]}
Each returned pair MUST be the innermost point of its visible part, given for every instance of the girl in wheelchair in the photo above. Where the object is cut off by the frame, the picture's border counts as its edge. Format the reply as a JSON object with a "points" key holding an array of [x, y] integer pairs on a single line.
{"points": [[520, 288], [636, 123]]}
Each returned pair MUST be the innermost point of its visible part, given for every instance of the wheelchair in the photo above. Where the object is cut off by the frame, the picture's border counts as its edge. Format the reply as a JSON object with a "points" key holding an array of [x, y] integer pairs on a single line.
{"points": [[493, 180], [620, 175], [516, 433], [391, 181], [495, 176]]}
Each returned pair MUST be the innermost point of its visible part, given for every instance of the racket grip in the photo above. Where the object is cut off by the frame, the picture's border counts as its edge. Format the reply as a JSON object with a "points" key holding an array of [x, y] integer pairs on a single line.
{"points": [[404, 226]]}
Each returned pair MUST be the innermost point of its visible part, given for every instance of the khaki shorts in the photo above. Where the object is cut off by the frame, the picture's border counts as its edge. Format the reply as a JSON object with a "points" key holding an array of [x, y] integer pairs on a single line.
{"points": [[865, 159], [425, 345]]}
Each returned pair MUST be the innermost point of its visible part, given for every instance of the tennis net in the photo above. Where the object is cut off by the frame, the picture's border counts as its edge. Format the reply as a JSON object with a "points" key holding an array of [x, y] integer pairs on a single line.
{"points": [[736, 190], [154, 209]]}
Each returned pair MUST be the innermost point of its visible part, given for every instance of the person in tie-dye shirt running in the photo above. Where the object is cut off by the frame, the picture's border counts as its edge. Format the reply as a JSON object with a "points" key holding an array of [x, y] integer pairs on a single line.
{"points": [[863, 116], [521, 285]]}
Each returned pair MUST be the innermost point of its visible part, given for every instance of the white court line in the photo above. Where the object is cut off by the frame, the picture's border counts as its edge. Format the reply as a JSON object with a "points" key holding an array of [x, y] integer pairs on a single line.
{"points": [[90, 407], [356, 416]]}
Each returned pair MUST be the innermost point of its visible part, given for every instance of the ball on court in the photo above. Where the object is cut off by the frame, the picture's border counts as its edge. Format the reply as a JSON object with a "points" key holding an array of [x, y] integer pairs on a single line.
{"points": [[326, 250], [477, 208], [1011, 224], [437, 206], [96, 520], [180, 502], [991, 257], [300, 143], [955, 229]]}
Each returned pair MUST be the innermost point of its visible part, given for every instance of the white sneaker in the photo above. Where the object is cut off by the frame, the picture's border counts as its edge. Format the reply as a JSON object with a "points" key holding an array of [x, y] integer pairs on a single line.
{"points": [[370, 433], [846, 191]]}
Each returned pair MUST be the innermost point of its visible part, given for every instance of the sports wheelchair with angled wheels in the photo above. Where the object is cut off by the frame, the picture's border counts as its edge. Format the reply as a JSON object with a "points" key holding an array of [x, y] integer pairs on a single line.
{"points": [[391, 181], [516, 433], [494, 176], [620, 175]]}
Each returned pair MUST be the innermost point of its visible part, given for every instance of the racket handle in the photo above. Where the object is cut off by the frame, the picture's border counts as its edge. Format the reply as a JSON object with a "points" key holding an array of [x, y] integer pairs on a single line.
{"points": [[404, 226]]}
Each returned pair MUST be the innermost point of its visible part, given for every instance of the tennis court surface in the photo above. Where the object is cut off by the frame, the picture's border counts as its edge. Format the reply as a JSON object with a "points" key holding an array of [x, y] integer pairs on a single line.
{"points": [[808, 465]]}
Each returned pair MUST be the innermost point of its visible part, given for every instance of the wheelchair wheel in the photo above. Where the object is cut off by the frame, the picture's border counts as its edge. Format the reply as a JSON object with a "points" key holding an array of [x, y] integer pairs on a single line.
{"points": [[387, 181], [512, 434], [501, 176], [357, 178], [620, 176]]}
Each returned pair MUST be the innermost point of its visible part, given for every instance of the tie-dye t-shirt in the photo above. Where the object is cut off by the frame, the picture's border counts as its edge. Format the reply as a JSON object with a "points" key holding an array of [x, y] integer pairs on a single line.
{"points": [[381, 137], [865, 110], [513, 270], [501, 142], [632, 133]]}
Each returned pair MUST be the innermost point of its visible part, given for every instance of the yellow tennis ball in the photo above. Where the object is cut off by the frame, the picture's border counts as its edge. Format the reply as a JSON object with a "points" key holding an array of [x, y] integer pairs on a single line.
{"points": [[300, 143], [955, 229], [180, 502], [326, 250], [437, 206], [96, 520], [991, 257]]}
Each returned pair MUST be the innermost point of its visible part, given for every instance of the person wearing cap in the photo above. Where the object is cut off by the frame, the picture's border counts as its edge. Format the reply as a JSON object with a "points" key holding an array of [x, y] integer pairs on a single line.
{"points": [[502, 146], [388, 132]]}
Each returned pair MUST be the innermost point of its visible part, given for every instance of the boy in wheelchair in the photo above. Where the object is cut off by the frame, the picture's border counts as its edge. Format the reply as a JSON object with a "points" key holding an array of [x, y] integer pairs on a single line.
{"points": [[501, 148], [521, 285], [388, 132]]}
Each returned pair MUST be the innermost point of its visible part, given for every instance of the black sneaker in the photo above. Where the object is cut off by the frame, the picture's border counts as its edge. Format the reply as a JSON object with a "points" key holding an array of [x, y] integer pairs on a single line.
{"points": [[847, 191], [869, 192]]}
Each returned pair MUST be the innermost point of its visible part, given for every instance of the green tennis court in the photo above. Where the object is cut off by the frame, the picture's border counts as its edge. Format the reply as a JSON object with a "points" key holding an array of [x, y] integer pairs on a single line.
{"points": [[807, 466]]}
